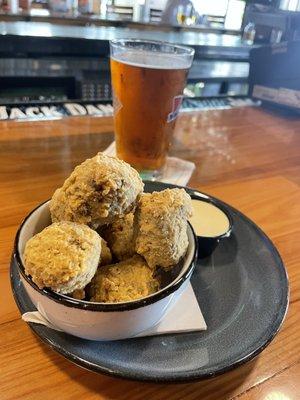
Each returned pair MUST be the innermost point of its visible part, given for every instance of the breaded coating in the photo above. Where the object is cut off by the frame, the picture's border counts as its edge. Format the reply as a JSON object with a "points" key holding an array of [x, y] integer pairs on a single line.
{"points": [[78, 294], [97, 192], [128, 280], [161, 231], [105, 257], [63, 257], [119, 236]]}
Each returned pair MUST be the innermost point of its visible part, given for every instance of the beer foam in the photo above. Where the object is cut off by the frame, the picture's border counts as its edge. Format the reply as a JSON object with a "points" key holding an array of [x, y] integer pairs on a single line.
{"points": [[152, 59]]}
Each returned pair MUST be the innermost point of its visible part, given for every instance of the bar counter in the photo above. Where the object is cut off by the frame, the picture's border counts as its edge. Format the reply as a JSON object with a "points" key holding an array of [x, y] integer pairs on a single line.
{"points": [[208, 43], [247, 157], [39, 29], [77, 19]]}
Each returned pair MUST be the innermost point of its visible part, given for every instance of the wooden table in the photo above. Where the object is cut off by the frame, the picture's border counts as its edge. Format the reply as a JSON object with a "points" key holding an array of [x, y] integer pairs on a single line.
{"points": [[248, 157]]}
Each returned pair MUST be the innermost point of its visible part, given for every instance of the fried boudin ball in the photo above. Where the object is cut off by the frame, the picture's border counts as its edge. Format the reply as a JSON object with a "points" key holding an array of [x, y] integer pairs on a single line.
{"points": [[97, 192], [119, 236], [105, 257], [127, 280], [63, 257], [161, 231]]}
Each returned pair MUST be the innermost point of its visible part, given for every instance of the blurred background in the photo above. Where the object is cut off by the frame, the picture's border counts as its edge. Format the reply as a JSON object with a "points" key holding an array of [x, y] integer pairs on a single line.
{"points": [[56, 51]]}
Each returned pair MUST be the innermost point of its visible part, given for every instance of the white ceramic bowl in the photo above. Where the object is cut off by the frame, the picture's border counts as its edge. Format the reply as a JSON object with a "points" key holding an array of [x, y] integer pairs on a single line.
{"points": [[99, 321]]}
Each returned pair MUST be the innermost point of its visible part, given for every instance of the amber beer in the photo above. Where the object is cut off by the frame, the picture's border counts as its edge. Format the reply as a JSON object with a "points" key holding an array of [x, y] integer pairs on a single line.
{"points": [[147, 87]]}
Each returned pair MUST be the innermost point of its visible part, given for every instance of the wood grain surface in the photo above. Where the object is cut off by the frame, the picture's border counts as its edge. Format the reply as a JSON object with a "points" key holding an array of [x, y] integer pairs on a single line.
{"points": [[247, 157]]}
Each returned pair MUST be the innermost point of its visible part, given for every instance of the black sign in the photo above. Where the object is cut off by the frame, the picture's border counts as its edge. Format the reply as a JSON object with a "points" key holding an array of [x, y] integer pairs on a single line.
{"points": [[46, 111]]}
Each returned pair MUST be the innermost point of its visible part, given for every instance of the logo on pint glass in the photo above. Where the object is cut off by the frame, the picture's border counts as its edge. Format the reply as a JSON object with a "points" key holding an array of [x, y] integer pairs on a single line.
{"points": [[116, 103], [175, 108]]}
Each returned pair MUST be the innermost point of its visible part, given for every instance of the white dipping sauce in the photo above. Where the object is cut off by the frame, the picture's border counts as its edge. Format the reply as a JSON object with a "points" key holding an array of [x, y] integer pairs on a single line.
{"points": [[208, 220]]}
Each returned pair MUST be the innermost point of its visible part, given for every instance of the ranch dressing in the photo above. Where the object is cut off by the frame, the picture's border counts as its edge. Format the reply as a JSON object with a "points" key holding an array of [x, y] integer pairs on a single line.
{"points": [[208, 220]]}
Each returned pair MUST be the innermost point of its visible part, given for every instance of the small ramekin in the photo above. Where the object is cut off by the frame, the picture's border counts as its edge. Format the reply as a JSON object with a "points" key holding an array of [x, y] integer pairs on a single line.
{"points": [[207, 244]]}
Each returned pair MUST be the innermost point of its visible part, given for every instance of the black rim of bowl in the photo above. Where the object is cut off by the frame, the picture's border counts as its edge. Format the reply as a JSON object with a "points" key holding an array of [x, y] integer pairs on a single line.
{"points": [[104, 307]]}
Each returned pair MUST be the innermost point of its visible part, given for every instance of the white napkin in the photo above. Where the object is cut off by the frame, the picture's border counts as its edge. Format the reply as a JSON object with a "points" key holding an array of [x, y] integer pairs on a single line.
{"points": [[176, 170], [184, 316]]}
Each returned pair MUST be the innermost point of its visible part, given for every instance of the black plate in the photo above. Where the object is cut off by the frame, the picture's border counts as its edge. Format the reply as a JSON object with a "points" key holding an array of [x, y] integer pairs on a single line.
{"points": [[243, 293]]}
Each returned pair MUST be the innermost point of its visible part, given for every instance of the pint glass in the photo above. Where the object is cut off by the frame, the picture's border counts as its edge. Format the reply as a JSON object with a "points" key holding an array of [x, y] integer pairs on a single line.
{"points": [[148, 79]]}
